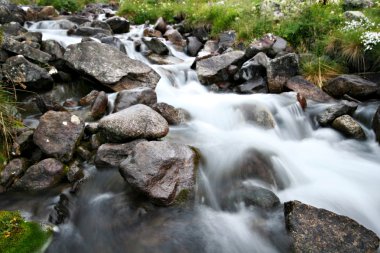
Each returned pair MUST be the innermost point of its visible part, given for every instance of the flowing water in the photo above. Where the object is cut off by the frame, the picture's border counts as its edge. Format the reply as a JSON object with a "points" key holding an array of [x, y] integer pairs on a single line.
{"points": [[315, 165]]}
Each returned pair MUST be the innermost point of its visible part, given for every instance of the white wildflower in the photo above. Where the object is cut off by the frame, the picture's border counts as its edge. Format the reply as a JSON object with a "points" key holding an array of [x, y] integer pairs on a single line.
{"points": [[370, 39]]}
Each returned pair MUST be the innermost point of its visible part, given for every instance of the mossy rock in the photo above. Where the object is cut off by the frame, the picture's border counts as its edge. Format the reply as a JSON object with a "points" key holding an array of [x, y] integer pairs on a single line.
{"points": [[20, 236]]}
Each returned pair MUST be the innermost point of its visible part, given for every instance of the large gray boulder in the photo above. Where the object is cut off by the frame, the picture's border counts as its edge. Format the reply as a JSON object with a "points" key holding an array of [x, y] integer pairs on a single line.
{"points": [[41, 176], [13, 46], [349, 127], [135, 122], [118, 24], [58, 133], [164, 171], [280, 70], [20, 70], [109, 66], [330, 114], [352, 85], [376, 124], [53, 48], [127, 98], [215, 69], [307, 89], [318, 230]]}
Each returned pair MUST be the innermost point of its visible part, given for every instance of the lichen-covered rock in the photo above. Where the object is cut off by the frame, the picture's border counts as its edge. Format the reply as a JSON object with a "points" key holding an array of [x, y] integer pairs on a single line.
{"points": [[127, 98], [318, 230], [43, 175], [135, 122], [13, 29], [109, 66], [349, 127], [162, 170], [58, 133]]}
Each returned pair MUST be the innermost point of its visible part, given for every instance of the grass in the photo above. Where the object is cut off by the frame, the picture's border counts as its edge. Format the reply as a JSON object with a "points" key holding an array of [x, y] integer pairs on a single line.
{"points": [[20, 236]]}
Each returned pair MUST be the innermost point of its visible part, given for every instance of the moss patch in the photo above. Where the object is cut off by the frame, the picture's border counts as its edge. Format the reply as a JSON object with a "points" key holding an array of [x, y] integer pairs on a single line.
{"points": [[20, 236]]}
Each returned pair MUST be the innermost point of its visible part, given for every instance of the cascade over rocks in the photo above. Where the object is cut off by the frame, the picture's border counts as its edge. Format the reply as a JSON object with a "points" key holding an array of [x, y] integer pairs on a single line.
{"points": [[164, 171], [349, 127], [330, 114], [127, 98], [88, 31], [318, 230], [109, 66], [58, 133], [351, 85], [20, 70], [43, 175], [376, 124], [135, 122]]}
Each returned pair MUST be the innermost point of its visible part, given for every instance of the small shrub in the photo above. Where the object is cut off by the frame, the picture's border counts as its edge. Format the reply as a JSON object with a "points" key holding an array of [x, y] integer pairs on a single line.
{"points": [[61, 5]]}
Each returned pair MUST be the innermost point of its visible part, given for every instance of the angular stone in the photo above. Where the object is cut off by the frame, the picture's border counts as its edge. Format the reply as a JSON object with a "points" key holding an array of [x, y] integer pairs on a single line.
{"points": [[58, 133], [193, 46], [99, 107], [164, 171], [307, 89], [280, 70], [175, 37], [24, 49], [174, 116], [13, 29], [135, 122], [318, 230], [349, 127], [156, 45], [53, 48], [115, 42], [118, 24], [109, 66]]}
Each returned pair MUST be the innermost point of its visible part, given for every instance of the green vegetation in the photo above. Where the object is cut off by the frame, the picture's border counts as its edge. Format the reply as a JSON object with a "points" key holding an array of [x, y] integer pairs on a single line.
{"points": [[20, 236]]}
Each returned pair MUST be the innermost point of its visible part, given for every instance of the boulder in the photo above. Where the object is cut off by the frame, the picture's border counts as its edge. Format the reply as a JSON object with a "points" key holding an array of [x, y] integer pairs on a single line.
{"points": [[263, 44], [227, 39], [160, 25], [193, 46], [175, 37], [109, 66], [89, 98], [9, 13], [376, 124], [24, 49], [53, 48], [20, 70], [352, 85], [58, 133], [110, 155], [99, 107], [164, 171], [127, 98], [318, 230], [13, 29], [156, 45], [88, 31], [349, 127], [215, 69], [135, 122], [330, 114], [253, 68], [79, 20], [47, 12], [115, 42], [279, 46], [307, 89], [43, 175], [98, 24], [12, 171], [354, 15], [150, 32], [4, 55], [74, 173], [357, 4], [174, 116], [118, 24], [30, 37], [280, 70]]}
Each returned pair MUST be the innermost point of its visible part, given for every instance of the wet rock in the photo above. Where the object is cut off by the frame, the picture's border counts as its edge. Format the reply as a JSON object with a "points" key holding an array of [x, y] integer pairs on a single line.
{"points": [[115, 42], [174, 116], [255, 85], [307, 89], [95, 141], [99, 107], [160, 25], [175, 37], [164, 171], [163, 59], [83, 153], [23, 143], [252, 195], [263, 44], [58, 133], [280, 70], [122, 72], [349, 127], [88, 31], [127, 98], [352, 85], [43, 175], [20, 70], [156, 45], [135, 122], [227, 39], [13, 29], [98, 24], [61, 24], [12, 171], [4, 55], [61, 212], [91, 128], [24, 49], [302, 101], [53, 48], [110, 155], [318, 230], [46, 103], [74, 173], [118, 24], [89, 98], [210, 47], [215, 69], [376, 124], [257, 115], [330, 114], [193, 46]]}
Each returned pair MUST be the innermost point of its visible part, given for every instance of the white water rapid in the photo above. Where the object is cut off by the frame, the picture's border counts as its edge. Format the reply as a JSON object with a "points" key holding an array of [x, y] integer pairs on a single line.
{"points": [[317, 166]]}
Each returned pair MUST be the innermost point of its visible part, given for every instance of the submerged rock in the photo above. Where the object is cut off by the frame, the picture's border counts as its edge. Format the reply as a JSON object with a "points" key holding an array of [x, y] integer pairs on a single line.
{"points": [[318, 230], [43, 175], [109, 66], [135, 122], [349, 127], [164, 171], [58, 133], [257, 115], [88, 31]]}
